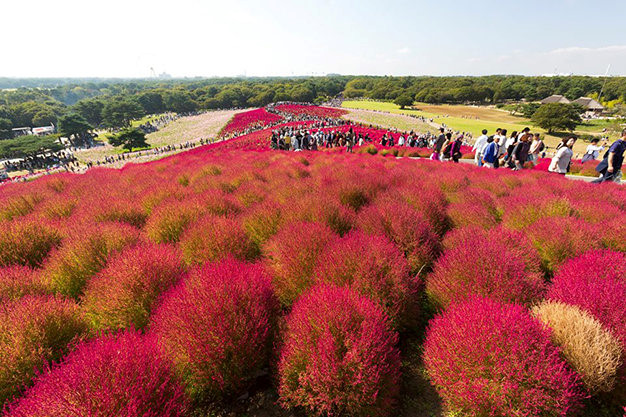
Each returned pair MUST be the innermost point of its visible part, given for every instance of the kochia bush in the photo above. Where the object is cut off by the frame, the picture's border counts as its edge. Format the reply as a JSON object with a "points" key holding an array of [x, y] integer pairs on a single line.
{"points": [[491, 359], [478, 264], [214, 238], [375, 267], [83, 253], [17, 281], [34, 331], [592, 351], [217, 327], [26, 242], [406, 227], [125, 291], [116, 375], [291, 256], [338, 356], [595, 282]]}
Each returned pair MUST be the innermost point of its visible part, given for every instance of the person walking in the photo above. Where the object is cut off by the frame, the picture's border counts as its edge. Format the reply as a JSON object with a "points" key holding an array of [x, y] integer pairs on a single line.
{"points": [[520, 152], [560, 161], [490, 153], [478, 147], [536, 147], [441, 139], [593, 151], [611, 165]]}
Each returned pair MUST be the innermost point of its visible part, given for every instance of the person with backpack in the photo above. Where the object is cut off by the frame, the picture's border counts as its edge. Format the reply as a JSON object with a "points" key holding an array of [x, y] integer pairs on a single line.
{"points": [[456, 149], [520, 152], [593, 151], [611, 165]]}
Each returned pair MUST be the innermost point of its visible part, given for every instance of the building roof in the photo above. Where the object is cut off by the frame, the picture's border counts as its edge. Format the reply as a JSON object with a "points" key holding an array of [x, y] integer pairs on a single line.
{"points": [[555, 99], [589, 103]]}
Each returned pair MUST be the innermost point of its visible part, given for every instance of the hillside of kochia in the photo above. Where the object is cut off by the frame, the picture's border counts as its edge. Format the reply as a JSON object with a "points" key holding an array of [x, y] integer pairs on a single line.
{"points": [[177, 286]]}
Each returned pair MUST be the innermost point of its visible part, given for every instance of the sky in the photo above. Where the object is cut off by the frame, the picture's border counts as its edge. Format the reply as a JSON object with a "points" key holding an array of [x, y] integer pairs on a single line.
{"points": [[189, 38]]}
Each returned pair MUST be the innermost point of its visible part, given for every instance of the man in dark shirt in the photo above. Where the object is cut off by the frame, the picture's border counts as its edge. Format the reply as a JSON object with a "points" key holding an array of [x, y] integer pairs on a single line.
{"points": [[611, 165]]}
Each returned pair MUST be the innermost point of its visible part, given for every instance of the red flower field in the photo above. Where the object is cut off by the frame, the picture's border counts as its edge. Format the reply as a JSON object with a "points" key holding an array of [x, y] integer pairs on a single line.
{"points": [[187, 284]]}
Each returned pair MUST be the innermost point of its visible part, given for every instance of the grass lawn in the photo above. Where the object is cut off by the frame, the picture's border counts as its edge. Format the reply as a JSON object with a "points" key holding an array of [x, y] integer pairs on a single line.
{"points": [[390, 121], [474, 119]]}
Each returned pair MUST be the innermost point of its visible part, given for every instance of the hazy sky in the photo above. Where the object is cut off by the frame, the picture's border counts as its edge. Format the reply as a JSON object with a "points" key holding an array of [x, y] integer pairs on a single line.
{"points": [[125, 38]]}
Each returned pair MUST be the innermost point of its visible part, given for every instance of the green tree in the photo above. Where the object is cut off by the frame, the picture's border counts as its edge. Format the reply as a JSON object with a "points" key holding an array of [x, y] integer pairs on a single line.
{"points": [[29, 146], [557, 116], [119, 112], [129, 139], [75, 128], [91, 110], [5, 128], [403, 101]]}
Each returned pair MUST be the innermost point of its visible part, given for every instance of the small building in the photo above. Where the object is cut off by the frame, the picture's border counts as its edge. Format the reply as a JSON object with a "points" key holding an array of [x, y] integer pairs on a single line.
{"points": [[555, 99], [21, 131], [589, 104], [43, 130]]}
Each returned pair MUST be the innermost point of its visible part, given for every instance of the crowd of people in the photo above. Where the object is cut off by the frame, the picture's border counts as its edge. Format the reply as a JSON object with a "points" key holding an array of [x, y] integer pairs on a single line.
{"points": [[514, 151], [158, 123], [61, 159]]}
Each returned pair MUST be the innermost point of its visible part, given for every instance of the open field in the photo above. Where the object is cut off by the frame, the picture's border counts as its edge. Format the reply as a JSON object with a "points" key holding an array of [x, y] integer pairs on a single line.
{"points": [[390, 121], [185, 129]]}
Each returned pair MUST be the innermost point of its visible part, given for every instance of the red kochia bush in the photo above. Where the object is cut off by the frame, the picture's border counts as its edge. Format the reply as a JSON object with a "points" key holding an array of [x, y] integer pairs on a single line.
{"points": [[217, 327], [291, 256], [114, 375], [338, 356], [480, 264], [125, 291], [33, 331], [17, 281], [404, 226], [375, 267], [214, 238], [595, 282], [168, 221], [26, 242], [492, 359]]}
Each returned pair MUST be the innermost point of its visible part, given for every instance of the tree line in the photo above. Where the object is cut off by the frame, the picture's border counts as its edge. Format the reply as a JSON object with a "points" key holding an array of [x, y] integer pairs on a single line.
{"points": [[114, 103]]}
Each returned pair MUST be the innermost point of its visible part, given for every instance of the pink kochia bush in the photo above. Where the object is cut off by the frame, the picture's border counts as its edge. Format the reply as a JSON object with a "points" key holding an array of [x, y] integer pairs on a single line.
{"points": [[34, 330], [291, 256], [17, 281], [217, 327], [479, 264], [491, 359], [115, 375], [375, 267], [595, 282], [338, 356], [125, 291]]}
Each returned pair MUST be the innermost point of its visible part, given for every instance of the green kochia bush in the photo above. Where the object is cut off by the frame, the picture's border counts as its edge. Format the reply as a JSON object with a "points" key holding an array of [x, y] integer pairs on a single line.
{"points": [[339, 355]]}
